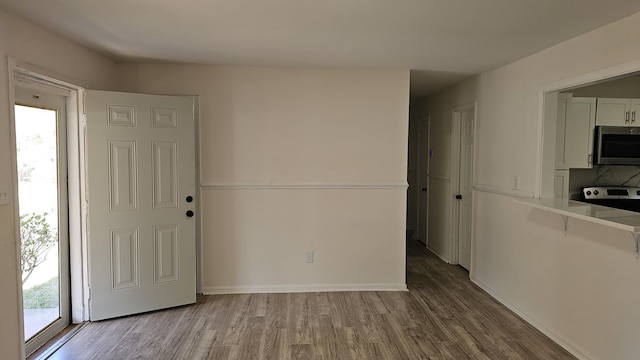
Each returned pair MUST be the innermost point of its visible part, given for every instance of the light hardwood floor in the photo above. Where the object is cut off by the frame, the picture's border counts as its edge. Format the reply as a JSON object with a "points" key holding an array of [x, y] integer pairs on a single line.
{"points": [[443, 316]]}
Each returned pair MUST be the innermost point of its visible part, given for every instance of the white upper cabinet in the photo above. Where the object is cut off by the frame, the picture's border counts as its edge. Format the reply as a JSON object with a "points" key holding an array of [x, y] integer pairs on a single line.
{"points": [[575, 127], [618, 112], [635, 112]]}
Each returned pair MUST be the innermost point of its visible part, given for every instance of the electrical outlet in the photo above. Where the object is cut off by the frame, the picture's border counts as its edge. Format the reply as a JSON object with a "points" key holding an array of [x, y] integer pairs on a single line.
{"points": [[4, 195], [309, 257], [516, 182]]}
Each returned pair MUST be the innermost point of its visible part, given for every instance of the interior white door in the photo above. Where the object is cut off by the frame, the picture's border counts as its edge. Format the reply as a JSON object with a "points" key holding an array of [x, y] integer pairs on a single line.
{"points": [[466, 181], [141, 179], [423, 161]]}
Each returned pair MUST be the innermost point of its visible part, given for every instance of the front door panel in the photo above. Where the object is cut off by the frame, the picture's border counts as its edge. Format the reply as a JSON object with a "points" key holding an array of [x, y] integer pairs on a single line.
{"points": [[141, 169]]}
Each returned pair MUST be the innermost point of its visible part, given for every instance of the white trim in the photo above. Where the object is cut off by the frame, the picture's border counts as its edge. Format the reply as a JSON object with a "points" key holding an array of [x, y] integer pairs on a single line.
{"points": [[198, 193], [260, 289], [43, 75], [16, 210], [593, 77], [293, 186], [575, 349], [31, 82], [34, 96], [21, 74], [523, 194]]}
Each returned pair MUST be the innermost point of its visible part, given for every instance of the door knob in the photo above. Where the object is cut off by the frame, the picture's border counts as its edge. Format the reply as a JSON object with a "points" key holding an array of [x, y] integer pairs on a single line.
{"points": [[459, 197], [189, 199], [189, 213], [424, 189]]}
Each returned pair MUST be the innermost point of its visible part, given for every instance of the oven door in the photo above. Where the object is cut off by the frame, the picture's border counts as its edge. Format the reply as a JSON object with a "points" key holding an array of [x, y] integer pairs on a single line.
{"points": [[618, 145]]}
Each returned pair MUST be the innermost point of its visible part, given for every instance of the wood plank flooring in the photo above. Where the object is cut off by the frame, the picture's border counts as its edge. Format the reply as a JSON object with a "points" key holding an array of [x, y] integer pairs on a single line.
{"points": [[443, 316]]}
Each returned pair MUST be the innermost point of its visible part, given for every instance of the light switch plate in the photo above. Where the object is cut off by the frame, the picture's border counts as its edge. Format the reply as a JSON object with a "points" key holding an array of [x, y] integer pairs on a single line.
{"points": [[4, 194]]}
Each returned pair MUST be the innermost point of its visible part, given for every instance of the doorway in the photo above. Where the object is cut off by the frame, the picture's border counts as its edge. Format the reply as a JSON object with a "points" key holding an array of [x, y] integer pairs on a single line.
{"points": [[40, 134], [463, 130], [66, 223], [422, 212]]}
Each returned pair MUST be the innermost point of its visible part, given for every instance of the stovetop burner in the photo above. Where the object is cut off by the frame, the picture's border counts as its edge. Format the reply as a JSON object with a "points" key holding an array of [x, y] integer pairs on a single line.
{"points": [[619, 197]]}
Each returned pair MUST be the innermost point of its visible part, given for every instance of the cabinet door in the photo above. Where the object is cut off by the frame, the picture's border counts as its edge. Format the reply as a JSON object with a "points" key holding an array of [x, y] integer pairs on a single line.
{"points": [[635, 112], [578, 133], [613, 112]]}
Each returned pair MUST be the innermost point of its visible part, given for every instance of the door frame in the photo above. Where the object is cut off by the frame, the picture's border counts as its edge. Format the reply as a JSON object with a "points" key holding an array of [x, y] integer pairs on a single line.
{"points": [[455, 182], [52, 99], [21, 73]]}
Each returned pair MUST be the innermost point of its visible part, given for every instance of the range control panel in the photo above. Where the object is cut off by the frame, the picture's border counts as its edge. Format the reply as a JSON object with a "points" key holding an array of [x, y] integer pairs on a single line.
{"points": [[610, 192]]}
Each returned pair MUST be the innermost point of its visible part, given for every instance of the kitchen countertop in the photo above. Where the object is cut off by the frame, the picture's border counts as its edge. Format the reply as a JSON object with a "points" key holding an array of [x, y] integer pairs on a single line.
{"points": [[615, 218]]}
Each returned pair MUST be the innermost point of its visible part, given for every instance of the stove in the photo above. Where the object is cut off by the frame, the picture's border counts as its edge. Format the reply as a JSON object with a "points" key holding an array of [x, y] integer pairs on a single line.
{"points": [[619, 197]]}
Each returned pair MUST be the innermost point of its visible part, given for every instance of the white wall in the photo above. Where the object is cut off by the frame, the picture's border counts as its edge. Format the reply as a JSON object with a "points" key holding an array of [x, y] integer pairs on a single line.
{"points": [[333, 142], [32, 44], [582, 288]]}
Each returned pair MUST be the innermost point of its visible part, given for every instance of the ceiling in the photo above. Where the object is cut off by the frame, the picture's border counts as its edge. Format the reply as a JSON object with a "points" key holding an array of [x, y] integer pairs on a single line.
{"points": [[442, 41]]}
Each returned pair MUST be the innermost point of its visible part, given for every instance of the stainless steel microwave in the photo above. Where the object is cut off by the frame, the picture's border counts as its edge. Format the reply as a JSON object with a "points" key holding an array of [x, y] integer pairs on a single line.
{"points": [[617, 145]]}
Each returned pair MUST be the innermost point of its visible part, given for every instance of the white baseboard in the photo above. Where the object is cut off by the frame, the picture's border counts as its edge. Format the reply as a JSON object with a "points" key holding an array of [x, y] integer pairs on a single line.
{"points": [[218, 290], [568, 345]]}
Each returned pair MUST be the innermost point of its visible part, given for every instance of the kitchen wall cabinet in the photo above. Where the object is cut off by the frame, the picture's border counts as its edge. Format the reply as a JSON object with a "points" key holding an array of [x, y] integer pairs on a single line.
{"points": [[574, 133], [618, 112]]}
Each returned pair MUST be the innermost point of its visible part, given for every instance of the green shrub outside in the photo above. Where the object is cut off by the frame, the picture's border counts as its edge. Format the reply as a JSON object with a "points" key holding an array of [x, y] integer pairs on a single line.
{"points": [[42, 296]]}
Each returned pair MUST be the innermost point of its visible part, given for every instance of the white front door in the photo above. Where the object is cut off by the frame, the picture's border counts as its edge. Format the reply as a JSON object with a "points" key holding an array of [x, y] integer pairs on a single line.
{"points": [[141, 179], [466, 116]]}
